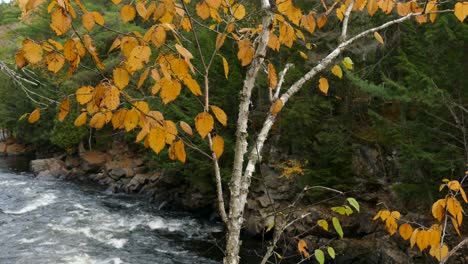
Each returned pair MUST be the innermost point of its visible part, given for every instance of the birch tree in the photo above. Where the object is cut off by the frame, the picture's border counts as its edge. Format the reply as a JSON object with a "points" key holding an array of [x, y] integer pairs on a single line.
{"points": [[161, 56]]}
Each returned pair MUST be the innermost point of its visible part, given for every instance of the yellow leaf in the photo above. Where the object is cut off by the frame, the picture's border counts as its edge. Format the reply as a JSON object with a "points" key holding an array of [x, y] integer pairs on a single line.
{"points": [[438, 209], [461, 10], [348, 63], [435, 233], [139, 56], [414, 237], [20, 60], [272, 76], [439, 252], [98, 18], [158, 36], [372, 7], [32, 51], [143, 77], [203, 10], [302, 248], [60, 21], [56, 44], [218, 146], [384, 215], [219, 114], [423, 239], [184, 52], [463, 194], [115, 45], [276, 107], [121, 77], [246, 51], [64, 108], [273, 42], [142, 106], [34, 116], [303, 55], [391, 225], [170, 90], [141, 9], [454, 185], [204, 124], [186, 128], [111, 98], [395, 214], [142, 134], [287, 34], [170, 131], [81, 119], [84, 94], [238, 11], [321, 21], [336, 70], [69, 50], [131, 119], [156, 139], [88, 21], [405, 231], [323, 224], [455, 225], [116, 2], [54, 62], [226, 67], [308, 22], [192, 85], [118, 118], [127, 44], [89, 44], [378, 37], [179, 150], [214, 3], [403, 9], [323, 85], [98, 120], [127, 13]]}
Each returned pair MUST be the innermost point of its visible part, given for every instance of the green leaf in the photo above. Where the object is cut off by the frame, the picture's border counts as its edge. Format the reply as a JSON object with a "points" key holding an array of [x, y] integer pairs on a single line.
{"points": [[319, 256], [278, 255], [348, 63], [348, 210], [323, 224], [353, 203], [331, 252], [337, 226]]}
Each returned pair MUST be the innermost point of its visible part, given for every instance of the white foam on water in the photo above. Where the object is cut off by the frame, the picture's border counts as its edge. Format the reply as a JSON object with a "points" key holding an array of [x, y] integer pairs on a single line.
{"points": [[86, 259], [43, 200], [29, 241], [171, 252], [12, 183], [99, 236]]}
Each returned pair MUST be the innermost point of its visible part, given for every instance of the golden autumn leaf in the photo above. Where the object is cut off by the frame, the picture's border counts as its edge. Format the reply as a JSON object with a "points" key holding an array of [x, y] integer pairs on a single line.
{"points": [[142, 78], [32, 51], [186, 128], [336, 70], [91, 48], [219, 114], [88, 21], [454, 185], [435, 233], [438, 209], [116, 2], [378, 37], [54, 62], [225, 67], [156, 139], [302, 248], [127, 13], [323, 224], [142, 134], [131, 119], [413, 237], [308, 22], [34, 116], [303, 55], [321, 21], [60, 21], [246, 51], [372, 7], [323, 85], [403, 9], [204, 124], [121, 77], [287, 34], [238, 11], [192, 85], [141, 9], [463, 194], [179, 150], [405, 231], [84, 94], [391, 225], [203, 10], [439, 252], [81, 119], [98, 120], [273, 42], [272, 76], [423, 239], [139, 56], [461, 10], [170, 130], [64, 108], [170, 90], [118, 118], [98, 18], [218, 146], [111, 98], [276, 107], [348, 63], [386, 5], [20, 60]]}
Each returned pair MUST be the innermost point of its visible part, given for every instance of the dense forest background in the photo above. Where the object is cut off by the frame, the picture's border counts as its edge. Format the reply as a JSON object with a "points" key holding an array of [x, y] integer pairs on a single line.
{"points": [[406, 99]]}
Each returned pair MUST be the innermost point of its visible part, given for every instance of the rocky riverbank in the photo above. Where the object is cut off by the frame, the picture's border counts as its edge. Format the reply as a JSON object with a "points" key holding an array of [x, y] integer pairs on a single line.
{"points": [[365, 240]]}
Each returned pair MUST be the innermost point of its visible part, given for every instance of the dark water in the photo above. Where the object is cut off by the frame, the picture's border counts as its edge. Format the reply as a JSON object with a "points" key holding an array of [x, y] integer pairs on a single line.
{"points": [[47, 220]]}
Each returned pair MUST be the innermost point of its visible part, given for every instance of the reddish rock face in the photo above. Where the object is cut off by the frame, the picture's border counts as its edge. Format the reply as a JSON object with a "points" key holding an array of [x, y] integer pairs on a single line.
{"points": [[93, 160]]}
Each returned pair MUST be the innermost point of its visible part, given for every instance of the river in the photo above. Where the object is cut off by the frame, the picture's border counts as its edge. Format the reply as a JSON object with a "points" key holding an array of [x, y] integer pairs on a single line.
{"points": [[48, 220]]}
